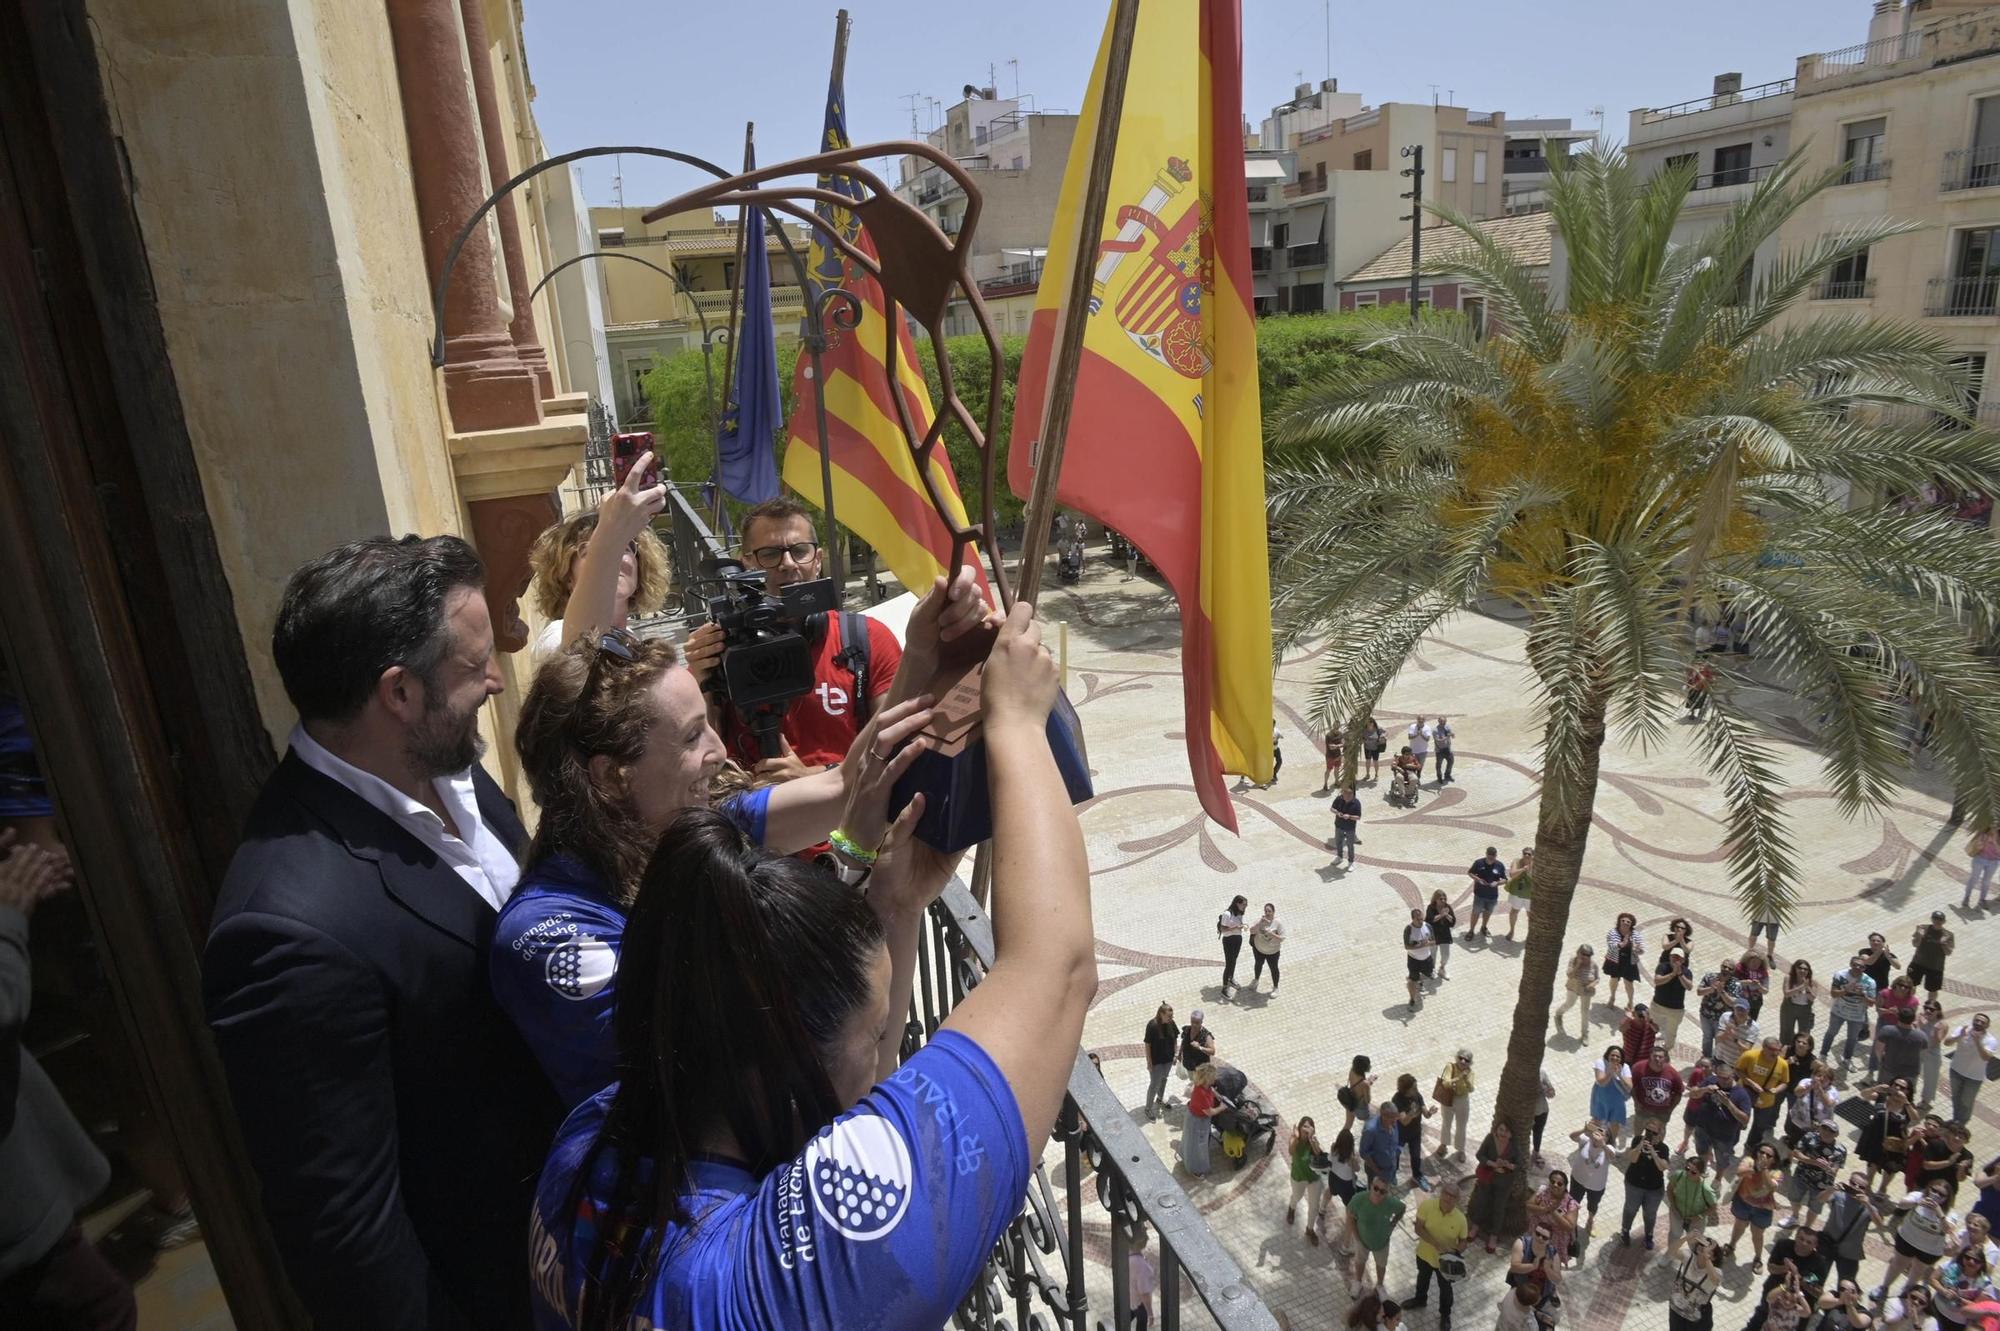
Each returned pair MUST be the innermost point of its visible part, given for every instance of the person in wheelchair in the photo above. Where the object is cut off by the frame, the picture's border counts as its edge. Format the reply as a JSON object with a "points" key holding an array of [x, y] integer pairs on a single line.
{"points": [[1404, 770]]}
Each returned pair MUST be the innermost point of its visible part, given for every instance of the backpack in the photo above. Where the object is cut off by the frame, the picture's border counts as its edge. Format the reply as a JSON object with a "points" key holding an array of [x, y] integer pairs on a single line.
{"points": [[854, 656]]}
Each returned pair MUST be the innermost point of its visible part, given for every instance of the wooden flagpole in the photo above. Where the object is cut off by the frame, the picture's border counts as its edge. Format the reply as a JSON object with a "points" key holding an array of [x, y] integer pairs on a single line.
{"points": [[1071, 319]]}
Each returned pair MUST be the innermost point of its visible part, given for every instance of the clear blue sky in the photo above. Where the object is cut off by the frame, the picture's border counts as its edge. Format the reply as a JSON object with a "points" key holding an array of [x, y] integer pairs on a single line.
{"points": [[686, 74]]}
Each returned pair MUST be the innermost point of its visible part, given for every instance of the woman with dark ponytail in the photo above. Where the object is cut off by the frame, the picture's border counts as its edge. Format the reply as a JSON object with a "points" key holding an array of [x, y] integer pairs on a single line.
{"points": [[743, 1173]]}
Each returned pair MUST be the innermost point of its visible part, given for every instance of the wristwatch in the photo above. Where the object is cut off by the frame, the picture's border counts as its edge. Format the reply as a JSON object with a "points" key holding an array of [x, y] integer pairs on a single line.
{"points": [[854, 875]]}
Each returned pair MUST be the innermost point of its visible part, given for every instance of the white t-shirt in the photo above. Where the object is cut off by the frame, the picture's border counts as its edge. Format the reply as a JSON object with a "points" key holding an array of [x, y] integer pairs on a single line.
{"points": [[1590, 1165], [1229, 923], [1693, 1287], [1417, 941], [546, 644], [1514, 1317], [1144, 1277], [1420, 738], [1969, 1055], [1267, 937]]}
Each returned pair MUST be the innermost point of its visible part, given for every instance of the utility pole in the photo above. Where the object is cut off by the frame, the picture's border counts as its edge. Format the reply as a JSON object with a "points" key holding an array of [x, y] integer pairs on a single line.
{"points": [[1415, 217]]}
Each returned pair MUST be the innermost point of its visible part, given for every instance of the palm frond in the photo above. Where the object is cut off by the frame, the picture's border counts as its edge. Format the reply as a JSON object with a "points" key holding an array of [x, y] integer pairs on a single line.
{"points": [[1762, 860], [1355, 668]]}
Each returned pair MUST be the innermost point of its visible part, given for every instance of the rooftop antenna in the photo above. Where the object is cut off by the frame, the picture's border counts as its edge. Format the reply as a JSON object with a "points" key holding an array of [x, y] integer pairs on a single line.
{"points": [[618, 181], [913, 98], [992, 78], [1597, 112], [1434, 94], [1327, 8], [1015, 64]]}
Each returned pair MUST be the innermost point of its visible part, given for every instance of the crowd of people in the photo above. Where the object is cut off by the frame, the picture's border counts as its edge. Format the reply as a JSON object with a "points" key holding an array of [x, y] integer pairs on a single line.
{"points": [[647, 1065], [1742, 1145]]}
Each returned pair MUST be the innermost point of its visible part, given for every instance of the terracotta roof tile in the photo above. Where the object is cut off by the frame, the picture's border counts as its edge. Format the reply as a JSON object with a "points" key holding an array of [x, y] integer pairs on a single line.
{"points": [[1528, 237]]}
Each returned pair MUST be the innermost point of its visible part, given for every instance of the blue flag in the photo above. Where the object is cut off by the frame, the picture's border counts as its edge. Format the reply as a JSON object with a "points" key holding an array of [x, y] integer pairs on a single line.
{"points": [[747, 467]]}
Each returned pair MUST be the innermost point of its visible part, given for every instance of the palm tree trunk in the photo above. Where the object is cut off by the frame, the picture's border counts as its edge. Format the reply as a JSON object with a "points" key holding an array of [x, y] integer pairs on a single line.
{"points": [[1562, 830]]}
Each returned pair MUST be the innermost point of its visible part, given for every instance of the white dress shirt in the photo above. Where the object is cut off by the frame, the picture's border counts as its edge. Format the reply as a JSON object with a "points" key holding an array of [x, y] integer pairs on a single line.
{"points": [[473, 852]]}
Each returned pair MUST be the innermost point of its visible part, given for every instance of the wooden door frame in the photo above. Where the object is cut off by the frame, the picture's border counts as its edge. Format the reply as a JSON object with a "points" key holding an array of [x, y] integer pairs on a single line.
{"points": [[115, 611]]}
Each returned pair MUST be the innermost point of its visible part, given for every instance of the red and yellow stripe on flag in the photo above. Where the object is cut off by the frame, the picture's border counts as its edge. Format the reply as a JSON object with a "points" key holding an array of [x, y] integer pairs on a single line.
{"points": [[1165, 440], [877, 492]]}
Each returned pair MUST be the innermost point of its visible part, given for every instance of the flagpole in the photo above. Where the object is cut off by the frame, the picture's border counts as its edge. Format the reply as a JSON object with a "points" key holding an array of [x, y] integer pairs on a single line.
{"points": [[735, 313], [816, 336], [1074, 312]]}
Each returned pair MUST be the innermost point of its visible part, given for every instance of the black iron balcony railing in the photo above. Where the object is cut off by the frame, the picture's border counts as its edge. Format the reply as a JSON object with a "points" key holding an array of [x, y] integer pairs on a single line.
{"points": [[1962, 296], [1036, 1276], [1757, 93], [1735, 175], [1037, 1273], [1862, 288], [1860, 172], [1971, 168], [1306, 256]]}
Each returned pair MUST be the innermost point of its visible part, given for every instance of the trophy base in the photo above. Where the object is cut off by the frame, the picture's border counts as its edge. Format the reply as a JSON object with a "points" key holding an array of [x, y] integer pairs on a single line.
{"points": [[958, 804]]}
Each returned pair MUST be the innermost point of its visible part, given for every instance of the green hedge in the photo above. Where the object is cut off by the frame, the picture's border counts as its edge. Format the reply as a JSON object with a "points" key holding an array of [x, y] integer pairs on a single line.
{"points": [[1291, 349]]}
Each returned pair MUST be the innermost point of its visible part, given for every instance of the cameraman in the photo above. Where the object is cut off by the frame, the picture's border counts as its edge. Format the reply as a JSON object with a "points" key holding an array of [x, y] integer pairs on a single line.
{"points": [[849, 678]]}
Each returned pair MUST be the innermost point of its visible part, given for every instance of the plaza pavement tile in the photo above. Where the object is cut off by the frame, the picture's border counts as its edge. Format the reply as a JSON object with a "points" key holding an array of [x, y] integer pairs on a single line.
{"points": [[1161, 873]]}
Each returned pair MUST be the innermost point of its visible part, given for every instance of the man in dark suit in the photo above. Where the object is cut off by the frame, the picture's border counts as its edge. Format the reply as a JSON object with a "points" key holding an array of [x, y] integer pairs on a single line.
{"points": [[396, 1121]]}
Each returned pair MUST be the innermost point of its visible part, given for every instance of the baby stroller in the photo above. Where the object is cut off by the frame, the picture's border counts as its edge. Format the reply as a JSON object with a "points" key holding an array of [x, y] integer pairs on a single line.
{"points": [[1242, 1120]]}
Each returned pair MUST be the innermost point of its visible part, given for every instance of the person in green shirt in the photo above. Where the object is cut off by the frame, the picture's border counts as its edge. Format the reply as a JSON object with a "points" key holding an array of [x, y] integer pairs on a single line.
{"points": [[1441, 1228], [1690, 1203], [1372, 1217], [1307, 1182]]}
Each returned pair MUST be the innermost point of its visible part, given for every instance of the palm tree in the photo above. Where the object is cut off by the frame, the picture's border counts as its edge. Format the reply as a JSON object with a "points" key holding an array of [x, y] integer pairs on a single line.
{"points": [[1655, 447]]}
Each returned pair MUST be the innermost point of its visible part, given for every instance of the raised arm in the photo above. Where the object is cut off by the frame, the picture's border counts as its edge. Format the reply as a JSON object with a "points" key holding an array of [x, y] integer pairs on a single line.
{"points": [[1028, 1012], [624, 513]]}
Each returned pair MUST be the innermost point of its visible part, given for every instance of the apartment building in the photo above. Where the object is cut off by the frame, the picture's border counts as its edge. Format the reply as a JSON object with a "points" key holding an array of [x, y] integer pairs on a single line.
{"points": [[1524, 168], [1911, 117], [1017, 155], [1731, 138]]}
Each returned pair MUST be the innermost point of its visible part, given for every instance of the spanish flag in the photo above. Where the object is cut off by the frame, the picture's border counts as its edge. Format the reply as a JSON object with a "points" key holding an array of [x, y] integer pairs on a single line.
{"points": [[1165, 442], [877, 492]]}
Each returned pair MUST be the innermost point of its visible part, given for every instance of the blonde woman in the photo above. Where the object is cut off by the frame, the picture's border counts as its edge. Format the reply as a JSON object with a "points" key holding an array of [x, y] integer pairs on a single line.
{"points": [[558, 561], [1202, 1105]]}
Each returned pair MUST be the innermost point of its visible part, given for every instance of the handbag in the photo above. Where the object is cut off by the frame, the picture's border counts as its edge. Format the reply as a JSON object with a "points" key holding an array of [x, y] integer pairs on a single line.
{"points": [[1451, 1267], [1444, 1094]]}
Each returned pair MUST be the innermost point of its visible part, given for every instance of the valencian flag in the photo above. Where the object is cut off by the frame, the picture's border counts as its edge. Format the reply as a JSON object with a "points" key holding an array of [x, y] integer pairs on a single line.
{"points": [[876, 490], [1165, 441]]}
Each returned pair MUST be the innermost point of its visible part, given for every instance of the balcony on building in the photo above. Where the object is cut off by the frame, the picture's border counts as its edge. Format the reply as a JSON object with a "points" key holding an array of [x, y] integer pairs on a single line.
{"points": [[1728, 185], [1969, 297], [1729, 105], [1891, 54], [1849, 288]]}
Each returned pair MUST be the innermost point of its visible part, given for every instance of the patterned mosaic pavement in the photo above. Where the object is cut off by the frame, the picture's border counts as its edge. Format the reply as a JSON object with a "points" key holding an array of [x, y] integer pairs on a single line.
{"points": [[1162, 874]]}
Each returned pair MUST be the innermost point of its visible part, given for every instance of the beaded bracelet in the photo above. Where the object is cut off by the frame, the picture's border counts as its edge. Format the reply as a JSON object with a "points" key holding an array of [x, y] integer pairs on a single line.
{"points": [[851, 848]]}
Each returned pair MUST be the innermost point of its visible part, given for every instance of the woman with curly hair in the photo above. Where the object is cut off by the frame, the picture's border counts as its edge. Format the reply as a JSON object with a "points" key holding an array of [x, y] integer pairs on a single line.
{"points": [[560, 563]]}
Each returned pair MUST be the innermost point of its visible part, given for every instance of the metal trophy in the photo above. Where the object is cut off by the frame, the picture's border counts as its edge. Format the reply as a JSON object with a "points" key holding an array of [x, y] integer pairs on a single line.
{"points": [[916, 268]]}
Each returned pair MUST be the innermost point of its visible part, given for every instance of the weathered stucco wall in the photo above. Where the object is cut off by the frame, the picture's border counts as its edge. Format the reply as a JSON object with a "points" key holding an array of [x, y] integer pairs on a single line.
{"points": [[271, 178]]}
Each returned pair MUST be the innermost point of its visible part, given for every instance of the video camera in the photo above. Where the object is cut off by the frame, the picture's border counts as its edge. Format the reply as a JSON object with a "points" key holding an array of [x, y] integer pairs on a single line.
{"points": [[766, 660]]}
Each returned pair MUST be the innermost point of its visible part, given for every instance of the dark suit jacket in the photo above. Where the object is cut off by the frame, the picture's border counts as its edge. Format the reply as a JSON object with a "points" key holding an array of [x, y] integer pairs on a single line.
{"points": [[396, 1120]]}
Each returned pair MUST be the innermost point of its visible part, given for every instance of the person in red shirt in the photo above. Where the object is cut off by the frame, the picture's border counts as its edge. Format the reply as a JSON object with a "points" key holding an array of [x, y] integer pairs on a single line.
{"points": [[820, 725], [1656, 1090], [1639, 1032]]}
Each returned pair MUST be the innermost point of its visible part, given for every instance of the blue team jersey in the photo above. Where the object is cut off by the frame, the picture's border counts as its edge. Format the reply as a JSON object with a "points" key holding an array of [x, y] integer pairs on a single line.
{"points": [[881, 1223], [554, 962]]}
